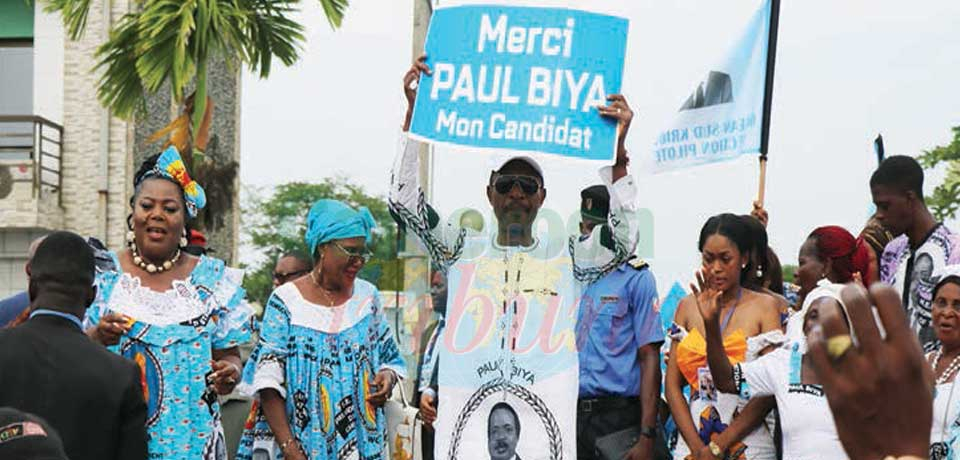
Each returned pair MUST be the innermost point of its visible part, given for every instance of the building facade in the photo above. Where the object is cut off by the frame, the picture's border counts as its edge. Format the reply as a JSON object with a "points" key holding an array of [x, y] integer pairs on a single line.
{"points": [[65, 161]]}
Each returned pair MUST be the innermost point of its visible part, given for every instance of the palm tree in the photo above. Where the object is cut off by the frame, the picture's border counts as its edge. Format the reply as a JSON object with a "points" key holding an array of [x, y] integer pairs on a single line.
{"points": [[172, 42]]}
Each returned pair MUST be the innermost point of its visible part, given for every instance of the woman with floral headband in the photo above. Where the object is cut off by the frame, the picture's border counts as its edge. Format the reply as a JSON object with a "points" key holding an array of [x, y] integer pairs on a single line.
{"points": [[326, 360], [178, 316]]}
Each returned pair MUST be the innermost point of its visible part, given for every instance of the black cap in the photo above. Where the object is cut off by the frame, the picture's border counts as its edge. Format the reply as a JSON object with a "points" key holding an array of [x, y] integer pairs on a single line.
{"points": [[28, 437], [595, 203]]}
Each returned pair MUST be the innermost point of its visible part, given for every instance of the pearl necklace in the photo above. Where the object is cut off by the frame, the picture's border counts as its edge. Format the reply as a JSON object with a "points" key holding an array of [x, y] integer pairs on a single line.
{"points": [[149, 267], [951, 369]]}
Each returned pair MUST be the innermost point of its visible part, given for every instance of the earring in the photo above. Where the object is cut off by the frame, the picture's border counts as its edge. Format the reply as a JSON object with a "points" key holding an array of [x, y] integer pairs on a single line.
{"points": [[316, 275], [183, 239]]}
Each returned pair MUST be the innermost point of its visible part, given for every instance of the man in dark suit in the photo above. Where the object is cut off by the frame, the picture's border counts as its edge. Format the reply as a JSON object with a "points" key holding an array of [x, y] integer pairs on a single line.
{"points": [[716, 89], [50, 368]]}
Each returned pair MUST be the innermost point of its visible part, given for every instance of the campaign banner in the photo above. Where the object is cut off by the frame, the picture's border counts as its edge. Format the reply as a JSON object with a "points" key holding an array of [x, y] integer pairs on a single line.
{"points": [[521, 78], [722, 118]]}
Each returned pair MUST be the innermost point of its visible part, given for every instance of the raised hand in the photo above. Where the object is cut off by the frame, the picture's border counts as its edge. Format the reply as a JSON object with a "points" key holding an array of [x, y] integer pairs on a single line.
{"points": [[879, 390], [411, 81], [618, 109], [708, 298], [760, 213]]}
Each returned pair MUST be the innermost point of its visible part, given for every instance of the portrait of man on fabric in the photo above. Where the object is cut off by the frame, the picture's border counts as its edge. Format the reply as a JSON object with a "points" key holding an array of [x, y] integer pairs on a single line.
{"points": [[503, 432]]}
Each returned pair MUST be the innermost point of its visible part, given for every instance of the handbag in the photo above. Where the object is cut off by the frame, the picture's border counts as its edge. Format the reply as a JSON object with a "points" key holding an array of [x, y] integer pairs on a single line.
{"points": [[403, 427], [615, 446]]}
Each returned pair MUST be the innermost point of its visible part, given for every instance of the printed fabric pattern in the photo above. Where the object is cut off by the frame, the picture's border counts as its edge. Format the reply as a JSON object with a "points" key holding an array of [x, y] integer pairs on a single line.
{"points": [[206, 312], [322, 361]]}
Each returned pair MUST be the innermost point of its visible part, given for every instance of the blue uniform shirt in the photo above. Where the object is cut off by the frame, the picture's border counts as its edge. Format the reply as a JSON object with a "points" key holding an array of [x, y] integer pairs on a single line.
{"points": [[617, 315]]}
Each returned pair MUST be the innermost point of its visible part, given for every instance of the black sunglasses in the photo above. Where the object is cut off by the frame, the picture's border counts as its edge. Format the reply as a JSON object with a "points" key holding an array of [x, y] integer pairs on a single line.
{"points": [[283, 277], [503, 184]]}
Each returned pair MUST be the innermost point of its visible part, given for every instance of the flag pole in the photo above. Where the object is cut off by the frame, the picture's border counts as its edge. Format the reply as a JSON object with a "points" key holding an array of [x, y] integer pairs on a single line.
{"points": [[768, 96]]}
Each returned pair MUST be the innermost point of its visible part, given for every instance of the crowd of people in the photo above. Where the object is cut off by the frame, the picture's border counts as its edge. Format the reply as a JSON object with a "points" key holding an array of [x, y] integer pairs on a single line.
{"points": [[134, 354]]}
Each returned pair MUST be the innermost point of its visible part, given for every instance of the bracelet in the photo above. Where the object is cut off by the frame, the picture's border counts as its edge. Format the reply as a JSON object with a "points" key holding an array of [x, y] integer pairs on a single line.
{"points": [[648, 432], [285, 444]]}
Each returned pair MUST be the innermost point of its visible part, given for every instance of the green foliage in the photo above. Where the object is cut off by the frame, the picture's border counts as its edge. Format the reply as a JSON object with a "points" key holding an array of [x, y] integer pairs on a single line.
{"points": [[789, 272], [276, 224], [945, 200], [171, 42]]}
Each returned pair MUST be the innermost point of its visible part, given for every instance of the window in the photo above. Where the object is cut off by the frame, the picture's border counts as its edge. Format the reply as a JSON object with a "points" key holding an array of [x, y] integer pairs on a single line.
{"points": [[16, 98], [16, 77]]}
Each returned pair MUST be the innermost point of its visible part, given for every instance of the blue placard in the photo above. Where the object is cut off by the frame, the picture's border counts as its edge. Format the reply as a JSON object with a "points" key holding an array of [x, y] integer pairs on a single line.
{"points": [[521, 78]]}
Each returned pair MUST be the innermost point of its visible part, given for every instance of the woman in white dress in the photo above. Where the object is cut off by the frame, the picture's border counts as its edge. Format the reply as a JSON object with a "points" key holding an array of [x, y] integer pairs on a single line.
{"points": [[809, 432], [945, 361]]}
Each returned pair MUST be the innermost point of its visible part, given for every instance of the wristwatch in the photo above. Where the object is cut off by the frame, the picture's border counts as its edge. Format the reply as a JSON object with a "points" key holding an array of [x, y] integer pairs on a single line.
{"points": [[716, 450], [648, 432]]}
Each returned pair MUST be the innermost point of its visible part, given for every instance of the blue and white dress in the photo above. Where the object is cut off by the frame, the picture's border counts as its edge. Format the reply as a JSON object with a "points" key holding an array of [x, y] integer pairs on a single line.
{"points": [[321, 360], [172, 341]]}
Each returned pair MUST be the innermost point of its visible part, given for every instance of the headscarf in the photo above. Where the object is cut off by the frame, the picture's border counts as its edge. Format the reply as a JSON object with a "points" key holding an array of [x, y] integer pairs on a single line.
{"points": [[333, 220], [849, 255], [169, 165]]}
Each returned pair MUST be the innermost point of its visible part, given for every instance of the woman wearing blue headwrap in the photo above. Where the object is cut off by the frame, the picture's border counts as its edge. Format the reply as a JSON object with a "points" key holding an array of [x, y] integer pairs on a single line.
{"points": [[178, 316], [327, 359]]}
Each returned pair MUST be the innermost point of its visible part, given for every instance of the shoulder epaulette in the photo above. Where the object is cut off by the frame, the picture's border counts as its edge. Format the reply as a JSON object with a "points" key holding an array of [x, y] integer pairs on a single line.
{"points": [[638, 263]]}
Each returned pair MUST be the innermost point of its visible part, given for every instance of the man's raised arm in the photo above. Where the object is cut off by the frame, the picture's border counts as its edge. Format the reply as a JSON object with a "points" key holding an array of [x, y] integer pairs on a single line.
{"points": [[406, 198]]}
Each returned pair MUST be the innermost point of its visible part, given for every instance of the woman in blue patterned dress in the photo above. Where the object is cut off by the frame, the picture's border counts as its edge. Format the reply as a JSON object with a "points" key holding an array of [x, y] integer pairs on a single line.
{"points": [[327, 359], [179, 317]]}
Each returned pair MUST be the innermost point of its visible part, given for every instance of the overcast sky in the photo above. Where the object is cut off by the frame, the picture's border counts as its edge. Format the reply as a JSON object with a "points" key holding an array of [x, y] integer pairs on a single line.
{"points": [[845, 71]]}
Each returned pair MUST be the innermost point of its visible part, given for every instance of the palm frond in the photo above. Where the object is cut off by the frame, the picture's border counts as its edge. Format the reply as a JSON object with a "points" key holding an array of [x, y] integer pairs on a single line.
{"points": [[171, 41], [120, 87], [165, 28], [334, 9], [269, 31], [74, 14]]}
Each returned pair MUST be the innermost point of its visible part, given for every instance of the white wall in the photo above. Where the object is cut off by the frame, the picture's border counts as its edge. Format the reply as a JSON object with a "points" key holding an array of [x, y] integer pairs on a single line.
{"points": [[48, 36]]}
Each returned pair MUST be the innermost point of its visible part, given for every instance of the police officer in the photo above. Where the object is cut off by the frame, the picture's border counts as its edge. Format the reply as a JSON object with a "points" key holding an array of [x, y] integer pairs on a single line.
{"points": [[618, 337]]}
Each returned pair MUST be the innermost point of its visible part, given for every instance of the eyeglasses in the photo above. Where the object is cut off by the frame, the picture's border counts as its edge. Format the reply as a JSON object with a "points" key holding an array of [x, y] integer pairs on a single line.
{"points": [[355, 255], [503, 184], [284, 277]]}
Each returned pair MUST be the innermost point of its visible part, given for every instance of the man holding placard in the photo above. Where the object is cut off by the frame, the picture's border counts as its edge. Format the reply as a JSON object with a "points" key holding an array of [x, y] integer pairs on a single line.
{"points": [[509, 336]]}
